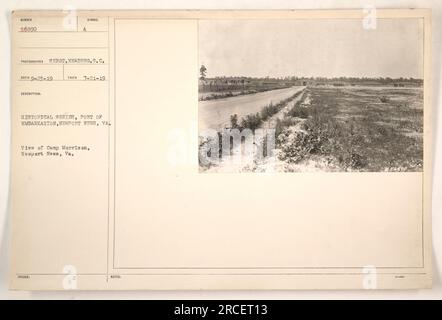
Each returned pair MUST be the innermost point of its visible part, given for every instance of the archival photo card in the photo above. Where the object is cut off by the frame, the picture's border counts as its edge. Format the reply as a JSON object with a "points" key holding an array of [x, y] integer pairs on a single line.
{"points": [[221, 150]]}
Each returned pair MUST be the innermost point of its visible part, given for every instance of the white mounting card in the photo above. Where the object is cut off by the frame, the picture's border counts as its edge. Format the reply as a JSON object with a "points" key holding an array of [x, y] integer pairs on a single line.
{"points": [[221, 149]]}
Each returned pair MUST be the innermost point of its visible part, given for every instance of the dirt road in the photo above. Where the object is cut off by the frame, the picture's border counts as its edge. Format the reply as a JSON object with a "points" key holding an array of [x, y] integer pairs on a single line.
{"points": [[215, 114]]}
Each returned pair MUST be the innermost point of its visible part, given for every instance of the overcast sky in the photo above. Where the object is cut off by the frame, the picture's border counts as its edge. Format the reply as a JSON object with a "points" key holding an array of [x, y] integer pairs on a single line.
{"points": [[329, 48]]}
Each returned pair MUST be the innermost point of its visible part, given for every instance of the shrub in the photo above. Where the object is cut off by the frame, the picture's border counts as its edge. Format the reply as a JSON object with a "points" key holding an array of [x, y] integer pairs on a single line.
{"points": [[251, 121], [299, 113], [356, 161], [293, 145], [384, 99], [269, 111], [234, 121], [281, 124]]}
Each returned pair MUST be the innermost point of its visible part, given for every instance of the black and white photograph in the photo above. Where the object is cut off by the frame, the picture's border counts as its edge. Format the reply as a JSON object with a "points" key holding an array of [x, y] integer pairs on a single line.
{"points": [[310, 95]]}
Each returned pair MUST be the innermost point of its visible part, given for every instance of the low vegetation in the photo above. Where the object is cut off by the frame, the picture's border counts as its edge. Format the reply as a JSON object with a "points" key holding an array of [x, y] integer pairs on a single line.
{"points": [[352, 130], [254, 121], [224, 94]]}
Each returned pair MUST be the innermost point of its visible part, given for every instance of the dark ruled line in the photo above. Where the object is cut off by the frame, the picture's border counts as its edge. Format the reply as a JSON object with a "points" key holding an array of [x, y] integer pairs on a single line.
{"points": [[60, 31], [64, 47], [64, 64]]}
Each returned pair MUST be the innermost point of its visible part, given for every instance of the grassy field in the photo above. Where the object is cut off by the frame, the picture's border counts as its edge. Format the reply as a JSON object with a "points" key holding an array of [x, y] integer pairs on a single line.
{"points": [[353, 129]]}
